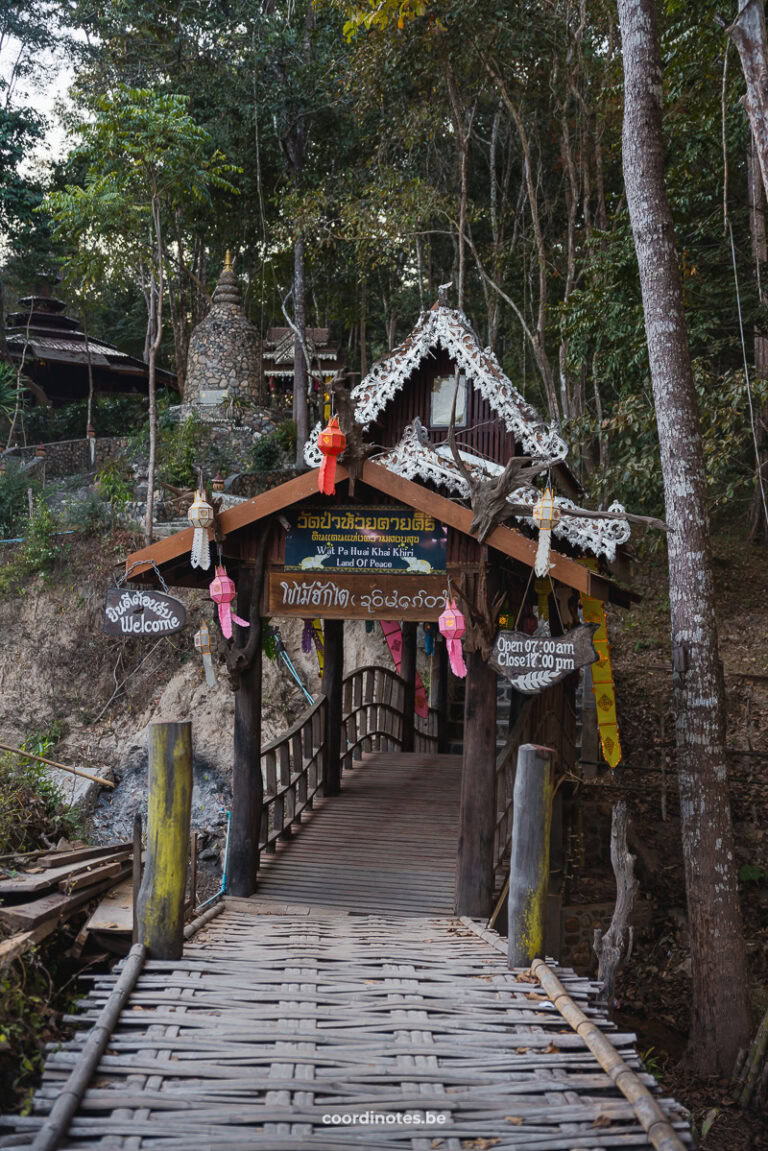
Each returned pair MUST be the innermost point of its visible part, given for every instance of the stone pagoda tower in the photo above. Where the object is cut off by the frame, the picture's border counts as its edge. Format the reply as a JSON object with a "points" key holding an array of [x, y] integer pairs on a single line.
{"points": [[224, 360]]}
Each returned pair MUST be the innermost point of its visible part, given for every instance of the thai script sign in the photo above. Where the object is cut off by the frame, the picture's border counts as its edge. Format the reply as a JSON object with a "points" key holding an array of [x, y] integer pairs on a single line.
{"points": [[355, 596], [532, 663], [365, 539], [132, 611]]}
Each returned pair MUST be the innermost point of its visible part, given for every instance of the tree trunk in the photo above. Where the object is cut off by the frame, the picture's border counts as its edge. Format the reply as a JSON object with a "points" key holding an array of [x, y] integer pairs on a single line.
{"points": [[247, 780], [749, 35], [156, 304], [363, 331], [300, 377], [477, 807], [758, 528], [720, 1016]]}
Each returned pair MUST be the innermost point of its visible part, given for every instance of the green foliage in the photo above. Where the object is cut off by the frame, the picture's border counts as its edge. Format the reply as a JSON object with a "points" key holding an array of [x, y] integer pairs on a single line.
{"points": [[112, 416], [37, 555], [14, 505], [381, 13], [266, 454], [752, 873], [114, 485], [285, 434], [31, 804], [178, 452], [91, 516], [7, 388]]}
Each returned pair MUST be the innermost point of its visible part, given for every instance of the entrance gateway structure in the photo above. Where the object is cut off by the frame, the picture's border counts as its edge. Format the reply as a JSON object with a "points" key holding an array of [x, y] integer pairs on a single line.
{"points": [[347, 1004], [396, 541]]}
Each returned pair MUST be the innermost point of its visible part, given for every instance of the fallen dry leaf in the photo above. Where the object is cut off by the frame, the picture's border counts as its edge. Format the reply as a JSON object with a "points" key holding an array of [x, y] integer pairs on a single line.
{"points": [[516, 1119]]}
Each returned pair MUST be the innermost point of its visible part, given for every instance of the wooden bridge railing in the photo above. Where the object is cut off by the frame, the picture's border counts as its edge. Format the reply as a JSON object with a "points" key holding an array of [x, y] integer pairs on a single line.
{"points": [[293, 764]]}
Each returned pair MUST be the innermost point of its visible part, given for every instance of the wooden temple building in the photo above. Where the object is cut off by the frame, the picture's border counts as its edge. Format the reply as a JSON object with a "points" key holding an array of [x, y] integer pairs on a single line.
{"points": [[395, 542], [278, 349], [54, 352]]}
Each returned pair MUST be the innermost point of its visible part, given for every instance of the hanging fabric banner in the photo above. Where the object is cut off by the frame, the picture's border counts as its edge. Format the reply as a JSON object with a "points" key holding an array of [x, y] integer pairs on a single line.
{"points": [[602, 681], [394, 638], [319, 638]]}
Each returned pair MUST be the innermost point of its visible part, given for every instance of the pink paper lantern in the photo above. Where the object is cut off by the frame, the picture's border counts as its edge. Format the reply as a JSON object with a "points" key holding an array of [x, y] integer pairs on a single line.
{"points": [[453, 626], [222, 591]]}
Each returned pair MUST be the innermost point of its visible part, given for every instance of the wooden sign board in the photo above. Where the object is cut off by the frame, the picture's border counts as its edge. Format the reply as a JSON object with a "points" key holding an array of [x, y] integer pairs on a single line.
{"points": [[355, 596], [532, 663], [135, 611], [387, 539]]}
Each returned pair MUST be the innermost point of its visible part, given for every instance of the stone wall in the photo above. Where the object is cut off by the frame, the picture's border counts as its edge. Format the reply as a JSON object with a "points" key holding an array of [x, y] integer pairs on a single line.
{"points": [[68, 457]]}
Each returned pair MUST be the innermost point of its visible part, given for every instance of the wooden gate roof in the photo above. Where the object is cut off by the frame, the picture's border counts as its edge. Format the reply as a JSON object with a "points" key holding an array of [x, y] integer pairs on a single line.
{"points": [[170, 554]]}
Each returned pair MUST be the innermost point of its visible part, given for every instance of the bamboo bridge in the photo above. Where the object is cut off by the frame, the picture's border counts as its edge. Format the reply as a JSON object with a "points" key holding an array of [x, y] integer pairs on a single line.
{"points": [[346, 1004]]}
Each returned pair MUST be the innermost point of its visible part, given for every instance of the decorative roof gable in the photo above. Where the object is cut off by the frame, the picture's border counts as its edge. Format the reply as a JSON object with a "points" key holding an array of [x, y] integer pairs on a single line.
{"points": [[448, 328]]}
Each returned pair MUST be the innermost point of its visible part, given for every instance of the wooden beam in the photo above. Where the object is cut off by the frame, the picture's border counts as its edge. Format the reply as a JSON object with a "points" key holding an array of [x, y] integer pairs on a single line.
{"points": [[408, 672], [504, 539], [247, 781], [507, 540], [249, 512], [440, 693], [160, 907], [477, 812], [333, 677]]}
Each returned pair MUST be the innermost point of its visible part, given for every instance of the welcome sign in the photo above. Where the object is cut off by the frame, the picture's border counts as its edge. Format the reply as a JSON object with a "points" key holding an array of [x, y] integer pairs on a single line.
{"points": [[132, 611]]}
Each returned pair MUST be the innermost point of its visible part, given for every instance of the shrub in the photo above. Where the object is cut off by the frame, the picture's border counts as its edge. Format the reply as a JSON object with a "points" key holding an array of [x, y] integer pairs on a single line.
{"points": [[111, 415], [91, 516], [266, 454], [37, 554], [178, 450], [285, 434], [113, 484], [14, 506]]}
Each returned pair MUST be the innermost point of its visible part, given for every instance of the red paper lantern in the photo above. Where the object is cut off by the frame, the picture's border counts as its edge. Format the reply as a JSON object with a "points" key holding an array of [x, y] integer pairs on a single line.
{"points": [[331, 442]]}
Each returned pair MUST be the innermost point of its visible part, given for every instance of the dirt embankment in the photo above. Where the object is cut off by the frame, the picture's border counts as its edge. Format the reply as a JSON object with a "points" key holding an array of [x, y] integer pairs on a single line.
{"points": [[97, 694]]}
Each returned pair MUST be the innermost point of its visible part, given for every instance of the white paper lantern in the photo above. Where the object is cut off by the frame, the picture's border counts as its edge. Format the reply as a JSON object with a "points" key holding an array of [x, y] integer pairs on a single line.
{"points": [[200, 516]]}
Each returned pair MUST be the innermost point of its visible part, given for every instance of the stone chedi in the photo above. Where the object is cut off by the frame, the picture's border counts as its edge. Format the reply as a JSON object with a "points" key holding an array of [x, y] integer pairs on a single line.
{"points": [[224, 360]]}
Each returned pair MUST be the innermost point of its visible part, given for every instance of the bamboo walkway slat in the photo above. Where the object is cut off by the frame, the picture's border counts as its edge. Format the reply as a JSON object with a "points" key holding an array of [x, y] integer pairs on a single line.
{"points": [[304, 1003]]}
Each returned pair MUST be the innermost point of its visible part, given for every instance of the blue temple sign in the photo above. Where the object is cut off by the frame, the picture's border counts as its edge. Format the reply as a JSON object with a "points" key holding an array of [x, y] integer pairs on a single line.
{"points": [[365, 540]]}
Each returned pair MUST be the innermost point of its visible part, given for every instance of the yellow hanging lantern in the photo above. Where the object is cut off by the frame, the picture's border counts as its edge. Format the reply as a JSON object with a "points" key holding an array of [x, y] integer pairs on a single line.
{"points": [[200, 516], [545, 515]]}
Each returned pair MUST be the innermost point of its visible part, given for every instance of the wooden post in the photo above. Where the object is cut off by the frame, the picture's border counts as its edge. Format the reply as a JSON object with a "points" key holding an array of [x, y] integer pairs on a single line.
{"points": [[160, 907], [408, 673], [440, 694], [333, 679], [529, 863], [477, 812], [247, 781], [136, 876]]}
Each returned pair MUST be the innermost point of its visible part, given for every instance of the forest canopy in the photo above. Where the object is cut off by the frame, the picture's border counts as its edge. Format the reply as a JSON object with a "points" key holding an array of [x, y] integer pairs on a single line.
{"points": [[408, 144]]}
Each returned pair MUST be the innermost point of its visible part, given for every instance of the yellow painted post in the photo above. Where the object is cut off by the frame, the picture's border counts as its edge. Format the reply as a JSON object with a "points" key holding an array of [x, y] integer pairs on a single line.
{"points": [[161, 898], [529, 862]]}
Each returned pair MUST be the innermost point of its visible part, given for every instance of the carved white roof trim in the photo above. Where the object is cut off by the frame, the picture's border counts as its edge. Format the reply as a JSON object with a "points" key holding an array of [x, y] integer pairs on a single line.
{"points": [[414, 458]]}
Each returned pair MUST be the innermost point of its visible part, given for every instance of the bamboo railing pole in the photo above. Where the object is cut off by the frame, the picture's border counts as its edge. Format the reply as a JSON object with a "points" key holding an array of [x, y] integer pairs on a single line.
{"points": [[655, 1123], [56, 1125], [60, 766]]}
